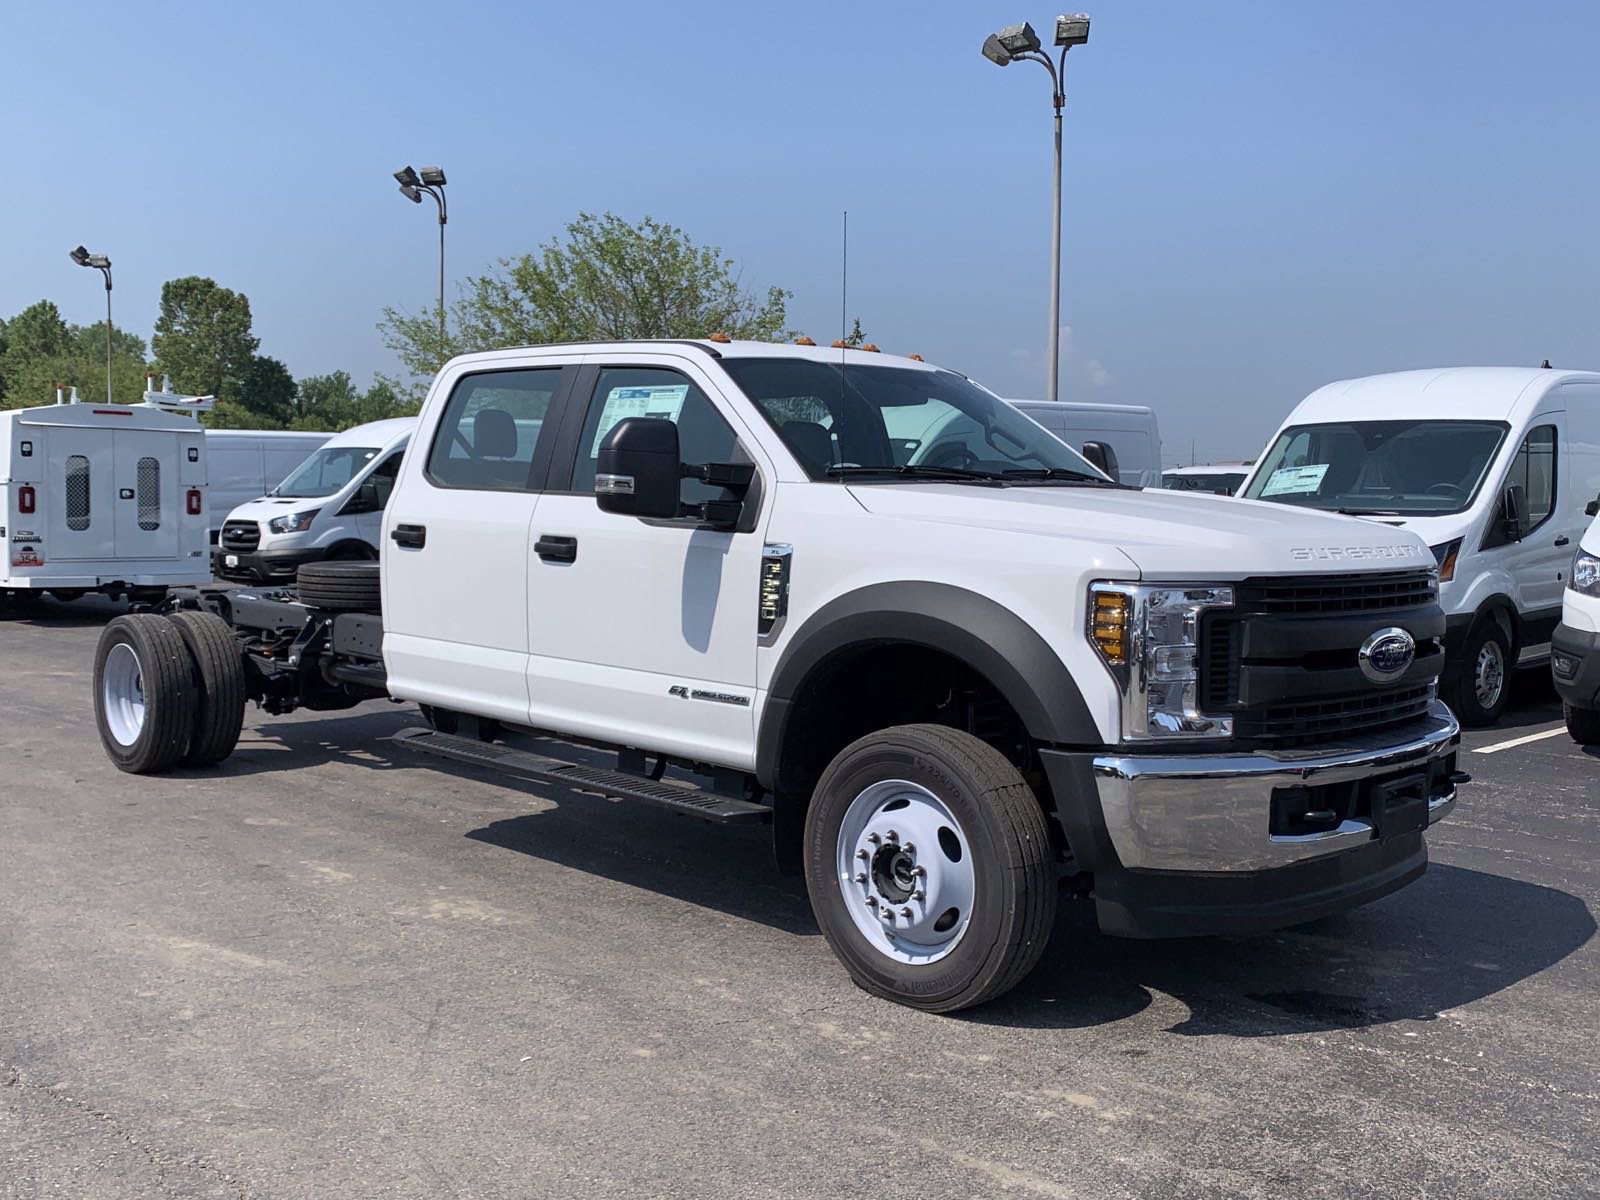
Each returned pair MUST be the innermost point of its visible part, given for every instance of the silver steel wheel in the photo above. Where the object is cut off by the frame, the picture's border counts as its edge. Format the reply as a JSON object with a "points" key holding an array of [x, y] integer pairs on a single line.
{"points": [[906, 872], [122, 694], [1489, 674]]}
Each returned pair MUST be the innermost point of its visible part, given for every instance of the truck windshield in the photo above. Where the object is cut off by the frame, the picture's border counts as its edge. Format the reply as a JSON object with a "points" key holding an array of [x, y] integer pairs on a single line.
{"points": [[326, 471], [886, 424], [1390, 468]]}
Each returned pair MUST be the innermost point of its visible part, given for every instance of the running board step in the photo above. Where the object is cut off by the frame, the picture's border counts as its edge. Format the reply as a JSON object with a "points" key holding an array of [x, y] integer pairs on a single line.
{"points": [[682, 798]]}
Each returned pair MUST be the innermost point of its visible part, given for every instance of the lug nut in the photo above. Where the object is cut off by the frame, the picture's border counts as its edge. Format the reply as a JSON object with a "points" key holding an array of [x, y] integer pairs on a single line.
{"points": [[919, 894], [920, 872], [910, 848], [872, 902], [862, 854], [893, 836], [861, 876], [906, 913], [874, 838]]}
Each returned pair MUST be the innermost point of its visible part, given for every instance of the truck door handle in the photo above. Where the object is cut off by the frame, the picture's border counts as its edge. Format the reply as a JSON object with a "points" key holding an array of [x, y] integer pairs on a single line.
{"points": [[414, 537], [1562, 540], [556, 549]]}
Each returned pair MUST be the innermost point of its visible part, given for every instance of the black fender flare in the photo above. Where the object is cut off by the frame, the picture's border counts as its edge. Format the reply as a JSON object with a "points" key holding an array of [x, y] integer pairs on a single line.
{"points": [[979, 632]]}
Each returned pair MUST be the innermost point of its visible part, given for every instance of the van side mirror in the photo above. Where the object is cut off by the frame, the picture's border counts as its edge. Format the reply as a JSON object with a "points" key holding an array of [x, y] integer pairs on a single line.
{"points": [[1592, 509], [1100, 454], [365, 500], [1514, 508], [638, 469]]}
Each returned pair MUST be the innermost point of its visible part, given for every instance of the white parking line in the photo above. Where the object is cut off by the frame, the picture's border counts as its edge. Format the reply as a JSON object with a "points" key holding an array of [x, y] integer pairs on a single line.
{"points": [[1521, 741]]}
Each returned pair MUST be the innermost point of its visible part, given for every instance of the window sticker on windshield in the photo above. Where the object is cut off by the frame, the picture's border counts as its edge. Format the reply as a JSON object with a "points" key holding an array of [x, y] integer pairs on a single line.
{"points": [[665, 401], [1292, 481]]}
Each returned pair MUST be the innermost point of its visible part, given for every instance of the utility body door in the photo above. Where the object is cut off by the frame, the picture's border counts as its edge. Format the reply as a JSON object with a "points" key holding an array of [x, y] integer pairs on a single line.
{"points": [[77, 497], [640, 632], [146, 482], [455, 544]]}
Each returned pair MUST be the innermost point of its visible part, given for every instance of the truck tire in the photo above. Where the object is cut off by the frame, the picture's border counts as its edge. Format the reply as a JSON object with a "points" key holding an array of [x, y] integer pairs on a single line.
{"points": [[929, 867], [144, 695], [219, 686], [1483, 678], [340, 586], [1583, 724]]}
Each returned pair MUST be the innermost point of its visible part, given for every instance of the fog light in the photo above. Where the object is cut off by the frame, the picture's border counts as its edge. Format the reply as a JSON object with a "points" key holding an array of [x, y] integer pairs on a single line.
{"points": [[1564, 665]]}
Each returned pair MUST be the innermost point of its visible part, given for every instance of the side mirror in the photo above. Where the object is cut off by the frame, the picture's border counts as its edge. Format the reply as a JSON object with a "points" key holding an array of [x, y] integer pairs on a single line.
{"points": [[638, 469], [1514, 507], [1592, 509], [365, 500], [1101, 455]]}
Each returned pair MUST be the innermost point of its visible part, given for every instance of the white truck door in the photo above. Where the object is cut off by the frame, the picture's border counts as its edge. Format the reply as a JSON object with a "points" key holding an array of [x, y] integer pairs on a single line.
{"points": [[80, 517], [455, 545], [645, 633], [145, 477]]}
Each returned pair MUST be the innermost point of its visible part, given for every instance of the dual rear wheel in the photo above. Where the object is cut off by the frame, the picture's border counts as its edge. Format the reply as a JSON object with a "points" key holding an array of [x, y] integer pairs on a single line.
{"points": [[168, 691]]}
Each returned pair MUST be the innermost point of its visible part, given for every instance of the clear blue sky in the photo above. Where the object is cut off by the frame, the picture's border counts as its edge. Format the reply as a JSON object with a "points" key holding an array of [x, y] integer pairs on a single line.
{"points": [[1260, 196]]}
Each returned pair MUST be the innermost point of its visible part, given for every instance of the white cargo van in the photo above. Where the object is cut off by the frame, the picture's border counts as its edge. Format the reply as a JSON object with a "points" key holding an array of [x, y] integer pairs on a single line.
{"points": [[101, 498], [330, 506], [244, 464], [1493, 466], [1127, 430]]}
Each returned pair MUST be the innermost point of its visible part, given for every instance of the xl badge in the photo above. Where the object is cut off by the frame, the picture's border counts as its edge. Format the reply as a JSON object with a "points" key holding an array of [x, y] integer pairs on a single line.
{"points": [[1385, 655]]}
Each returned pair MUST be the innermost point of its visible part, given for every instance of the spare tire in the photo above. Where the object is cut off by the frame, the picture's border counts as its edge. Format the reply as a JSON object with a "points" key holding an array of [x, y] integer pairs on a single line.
{"points": [[340, 586]]}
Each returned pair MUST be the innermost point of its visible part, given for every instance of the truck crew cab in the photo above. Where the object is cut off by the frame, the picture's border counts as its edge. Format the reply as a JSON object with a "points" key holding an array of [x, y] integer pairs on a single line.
{"points": [[947, 674]]}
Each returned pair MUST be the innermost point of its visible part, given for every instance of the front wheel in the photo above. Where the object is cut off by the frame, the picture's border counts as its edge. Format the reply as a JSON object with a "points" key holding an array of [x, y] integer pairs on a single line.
{"points": [[1583, 724], [1483, 680], [929, 867]]}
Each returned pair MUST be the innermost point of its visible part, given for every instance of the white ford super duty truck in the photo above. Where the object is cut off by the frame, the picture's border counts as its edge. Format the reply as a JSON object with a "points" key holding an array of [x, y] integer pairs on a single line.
{"points": [[860, 598]]}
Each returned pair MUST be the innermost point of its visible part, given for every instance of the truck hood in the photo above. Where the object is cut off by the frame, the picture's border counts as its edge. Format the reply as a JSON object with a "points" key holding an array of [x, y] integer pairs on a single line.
{"points": [[1166, 534]]}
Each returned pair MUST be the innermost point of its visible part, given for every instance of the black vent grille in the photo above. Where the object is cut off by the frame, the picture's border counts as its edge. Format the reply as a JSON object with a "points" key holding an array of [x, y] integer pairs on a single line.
{"points": [[1285, 724], [1219, 667], [241, 535], [1335, 595]]}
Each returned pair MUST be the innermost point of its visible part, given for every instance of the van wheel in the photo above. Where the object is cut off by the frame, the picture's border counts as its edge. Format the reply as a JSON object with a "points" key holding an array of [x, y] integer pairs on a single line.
{"points": [[219, 686], [1483, 683], [1583, 724], [929, 867], [144, 696]]}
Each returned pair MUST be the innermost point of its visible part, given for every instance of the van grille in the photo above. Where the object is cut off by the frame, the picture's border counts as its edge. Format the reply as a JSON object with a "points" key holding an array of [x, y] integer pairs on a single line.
{"points": [[242, 536]]}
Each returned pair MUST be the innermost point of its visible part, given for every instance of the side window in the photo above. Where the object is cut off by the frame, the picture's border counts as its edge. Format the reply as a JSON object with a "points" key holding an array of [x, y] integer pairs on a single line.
{"points": [[382, 478], [491, 424], [1533, 469], [703, 435], [77, 492]]}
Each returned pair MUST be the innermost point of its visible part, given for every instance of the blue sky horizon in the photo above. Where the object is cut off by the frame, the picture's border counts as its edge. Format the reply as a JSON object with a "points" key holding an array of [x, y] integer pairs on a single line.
{"points": [[1259, 199]]}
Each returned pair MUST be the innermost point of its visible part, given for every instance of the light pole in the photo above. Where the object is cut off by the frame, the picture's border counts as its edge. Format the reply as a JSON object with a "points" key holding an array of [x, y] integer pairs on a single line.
{"points": [[1021, 42], [412, 186], [102, 264]]}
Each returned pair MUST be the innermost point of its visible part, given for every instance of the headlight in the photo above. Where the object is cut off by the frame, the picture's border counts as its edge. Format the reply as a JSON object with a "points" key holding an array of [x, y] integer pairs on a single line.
{"points": [[294, 522], [1445, 555], [1585, 575], [1148, 635]]}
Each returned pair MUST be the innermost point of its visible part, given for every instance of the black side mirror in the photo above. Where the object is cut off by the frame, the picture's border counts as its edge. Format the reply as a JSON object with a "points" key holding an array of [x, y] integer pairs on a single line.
{"points": [[1514, 507], [638, 469], [365, 500], [1101, 455], [1592, 509]]}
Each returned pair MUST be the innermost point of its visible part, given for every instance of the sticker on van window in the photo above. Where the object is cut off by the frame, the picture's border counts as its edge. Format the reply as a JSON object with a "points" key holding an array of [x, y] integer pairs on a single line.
{"points": [[1295, 481], [665, 401]]}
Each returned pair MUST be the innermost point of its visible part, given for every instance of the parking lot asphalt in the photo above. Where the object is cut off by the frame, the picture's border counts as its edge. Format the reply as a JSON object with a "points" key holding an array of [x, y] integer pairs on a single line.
{"points": [[325, 969]]}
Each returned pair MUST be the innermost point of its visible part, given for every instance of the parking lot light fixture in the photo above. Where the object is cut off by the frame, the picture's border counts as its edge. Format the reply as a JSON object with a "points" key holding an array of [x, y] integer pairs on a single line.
{"points": [[412, 186], [101, 263], [1021, 42]]}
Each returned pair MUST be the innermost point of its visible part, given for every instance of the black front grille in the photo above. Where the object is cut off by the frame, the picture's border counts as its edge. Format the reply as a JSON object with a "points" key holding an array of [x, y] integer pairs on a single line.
{"points": [[1336, 595], [241, 535], [1304, 720]]}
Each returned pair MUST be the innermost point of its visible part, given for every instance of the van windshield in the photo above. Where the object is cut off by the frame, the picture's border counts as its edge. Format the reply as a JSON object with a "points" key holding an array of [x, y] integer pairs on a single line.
{"points": [[884, 424], [326, 471], [1380, 468]]}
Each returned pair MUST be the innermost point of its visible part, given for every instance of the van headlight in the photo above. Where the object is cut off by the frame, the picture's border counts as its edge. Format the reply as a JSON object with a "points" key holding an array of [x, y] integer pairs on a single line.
{"points": [[293, 523], [1584, 578], [1148, 636]]}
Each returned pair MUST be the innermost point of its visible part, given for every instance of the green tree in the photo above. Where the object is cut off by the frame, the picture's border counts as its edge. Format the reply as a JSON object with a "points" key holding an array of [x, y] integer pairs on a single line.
{"points": [[267, 391], [43, 351], [608, 280], [331, 402], [203, 338]]}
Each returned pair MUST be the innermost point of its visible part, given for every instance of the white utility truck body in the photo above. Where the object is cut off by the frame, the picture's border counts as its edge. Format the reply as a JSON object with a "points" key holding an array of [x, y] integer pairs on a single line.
{"points": [[1128, 429], [1442, 453], [245, 464], [1575, 648], [102, 498], [946, 676]]}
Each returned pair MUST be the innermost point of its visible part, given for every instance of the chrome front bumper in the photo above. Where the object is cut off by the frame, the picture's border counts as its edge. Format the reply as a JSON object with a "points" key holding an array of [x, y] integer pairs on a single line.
{"points": [[1211, 813]]}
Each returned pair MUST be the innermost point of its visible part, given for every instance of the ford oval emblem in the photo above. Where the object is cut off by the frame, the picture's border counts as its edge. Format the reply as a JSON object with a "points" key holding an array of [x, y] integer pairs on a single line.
{"points": [[1385, 655]]}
